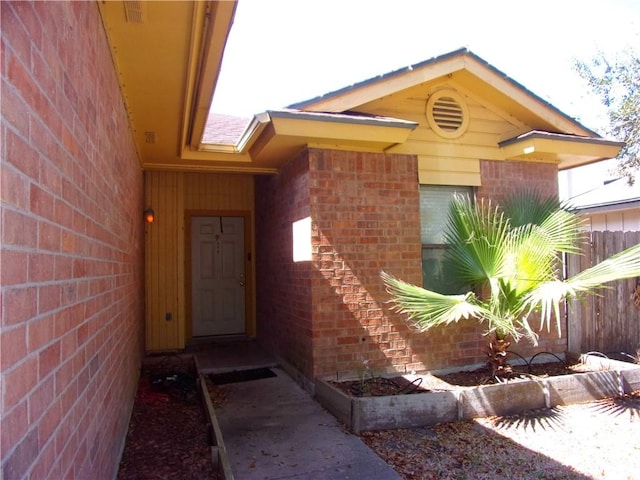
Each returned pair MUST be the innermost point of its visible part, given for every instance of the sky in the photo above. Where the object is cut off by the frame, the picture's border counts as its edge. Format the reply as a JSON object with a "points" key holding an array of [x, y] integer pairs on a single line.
{"points": [[281, 52]]}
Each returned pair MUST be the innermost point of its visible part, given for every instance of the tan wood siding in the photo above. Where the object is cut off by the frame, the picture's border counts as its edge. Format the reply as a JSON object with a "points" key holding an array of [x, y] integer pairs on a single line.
{"points": [[172, 195], [161, 261], [436, 170], [441, 160]]}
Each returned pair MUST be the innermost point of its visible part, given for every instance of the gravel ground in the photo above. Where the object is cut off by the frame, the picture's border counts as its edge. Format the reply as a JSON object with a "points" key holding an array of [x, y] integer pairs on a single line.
{"points": [[595, 440]]}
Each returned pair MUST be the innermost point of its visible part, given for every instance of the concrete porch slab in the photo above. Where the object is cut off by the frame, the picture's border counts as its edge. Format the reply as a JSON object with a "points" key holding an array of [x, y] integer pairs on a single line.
{"points": [[273, 429], [229, 356]]}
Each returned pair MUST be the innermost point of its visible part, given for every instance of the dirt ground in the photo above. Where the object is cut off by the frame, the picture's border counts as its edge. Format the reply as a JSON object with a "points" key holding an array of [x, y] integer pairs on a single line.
{"points": [[595, 440], [169, 437]]}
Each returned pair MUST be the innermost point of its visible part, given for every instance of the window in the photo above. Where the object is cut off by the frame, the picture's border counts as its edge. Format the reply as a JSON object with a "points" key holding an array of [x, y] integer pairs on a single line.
{"points": [[434, 209]]}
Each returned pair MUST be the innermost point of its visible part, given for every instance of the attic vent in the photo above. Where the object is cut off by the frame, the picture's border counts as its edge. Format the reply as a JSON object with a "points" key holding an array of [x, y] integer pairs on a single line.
{"points": [[150, 138], [133, 11], [447, 114]]}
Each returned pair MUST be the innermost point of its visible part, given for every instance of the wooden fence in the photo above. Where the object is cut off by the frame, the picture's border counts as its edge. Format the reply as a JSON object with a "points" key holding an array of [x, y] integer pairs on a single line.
{"points": [[610, 322]]}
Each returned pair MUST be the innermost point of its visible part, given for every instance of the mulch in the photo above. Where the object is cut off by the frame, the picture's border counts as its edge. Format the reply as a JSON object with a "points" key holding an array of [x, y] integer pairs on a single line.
{"points": [[373, 386], [169, 435]]}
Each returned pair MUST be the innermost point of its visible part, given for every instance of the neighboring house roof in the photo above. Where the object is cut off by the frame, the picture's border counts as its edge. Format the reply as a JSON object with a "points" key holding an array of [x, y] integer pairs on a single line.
{"points": [[612, 194]]}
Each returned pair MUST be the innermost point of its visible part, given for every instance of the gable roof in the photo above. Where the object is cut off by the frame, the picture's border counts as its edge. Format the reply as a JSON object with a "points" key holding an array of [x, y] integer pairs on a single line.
{"points": [[539, 132], [168, 94], [458, 61]]}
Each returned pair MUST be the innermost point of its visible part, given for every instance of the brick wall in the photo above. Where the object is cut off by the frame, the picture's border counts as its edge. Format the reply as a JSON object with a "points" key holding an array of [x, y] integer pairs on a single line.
{"points": [[330, 317], [283, 287], [500, 178], [366, 219], [72, 283]]}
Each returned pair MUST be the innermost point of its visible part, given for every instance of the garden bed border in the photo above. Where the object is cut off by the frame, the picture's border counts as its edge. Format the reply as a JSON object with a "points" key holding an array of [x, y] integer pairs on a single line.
{"points": [[360, 414], [219, 456]]}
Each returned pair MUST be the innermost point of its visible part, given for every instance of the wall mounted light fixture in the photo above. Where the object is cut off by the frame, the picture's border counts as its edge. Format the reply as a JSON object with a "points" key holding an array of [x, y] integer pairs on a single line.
{"points": [[149, 215]]}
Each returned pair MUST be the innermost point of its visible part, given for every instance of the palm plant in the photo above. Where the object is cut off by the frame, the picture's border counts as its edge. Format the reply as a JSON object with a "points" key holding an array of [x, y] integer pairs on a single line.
{"points": [[510, 256]]}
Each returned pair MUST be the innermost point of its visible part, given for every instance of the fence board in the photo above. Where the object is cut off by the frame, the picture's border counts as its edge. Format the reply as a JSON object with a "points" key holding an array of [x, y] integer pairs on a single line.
{"points": [[609, 322]]}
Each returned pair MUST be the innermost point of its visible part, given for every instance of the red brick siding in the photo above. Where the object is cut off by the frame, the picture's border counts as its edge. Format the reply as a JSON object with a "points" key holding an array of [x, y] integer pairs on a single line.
{"points": [[283, 290], [72, 280], [331, 317], [500, 178], [366, 216]]}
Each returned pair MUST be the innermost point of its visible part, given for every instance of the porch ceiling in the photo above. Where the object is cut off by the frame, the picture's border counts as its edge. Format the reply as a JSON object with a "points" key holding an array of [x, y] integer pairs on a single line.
{"points": [[167, 56]]}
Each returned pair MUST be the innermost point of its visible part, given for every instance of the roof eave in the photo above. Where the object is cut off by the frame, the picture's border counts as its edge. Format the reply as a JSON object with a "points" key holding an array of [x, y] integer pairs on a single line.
{"points": [[568, 151], [212, 21], [290, 131], [630, 204]]}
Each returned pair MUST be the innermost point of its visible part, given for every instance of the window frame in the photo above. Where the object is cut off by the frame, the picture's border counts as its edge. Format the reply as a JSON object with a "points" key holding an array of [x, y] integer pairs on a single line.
{"points": [[447, 285]]}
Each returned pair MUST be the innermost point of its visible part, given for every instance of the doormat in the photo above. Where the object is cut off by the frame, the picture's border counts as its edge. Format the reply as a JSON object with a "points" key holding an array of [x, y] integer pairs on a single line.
{"points": [[241, 376]]}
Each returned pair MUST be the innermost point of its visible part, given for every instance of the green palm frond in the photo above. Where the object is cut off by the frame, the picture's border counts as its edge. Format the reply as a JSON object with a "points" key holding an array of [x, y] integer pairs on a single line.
{"points": [[625, 264], [535, 259], [474, 234], [429, 309], [548, 296], [502, 325], [562, 229], [528, 206], [511, 255], [558, 220]]}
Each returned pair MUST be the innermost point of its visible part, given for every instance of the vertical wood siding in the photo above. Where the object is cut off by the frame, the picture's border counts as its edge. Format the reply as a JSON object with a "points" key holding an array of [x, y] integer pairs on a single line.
{"points": [[610, 322], [172, 195]]}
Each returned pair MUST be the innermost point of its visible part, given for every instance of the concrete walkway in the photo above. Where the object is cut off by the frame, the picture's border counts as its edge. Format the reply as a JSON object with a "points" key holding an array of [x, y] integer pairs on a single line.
{"points": [[273, 429]]}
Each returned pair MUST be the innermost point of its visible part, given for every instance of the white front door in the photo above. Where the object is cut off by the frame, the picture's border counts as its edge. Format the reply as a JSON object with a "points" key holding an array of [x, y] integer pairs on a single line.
{"points": [[217, 275]]}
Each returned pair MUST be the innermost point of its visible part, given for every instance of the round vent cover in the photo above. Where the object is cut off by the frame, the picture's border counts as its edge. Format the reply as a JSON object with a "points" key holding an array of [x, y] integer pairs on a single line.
{"points": [[447, 114]]}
